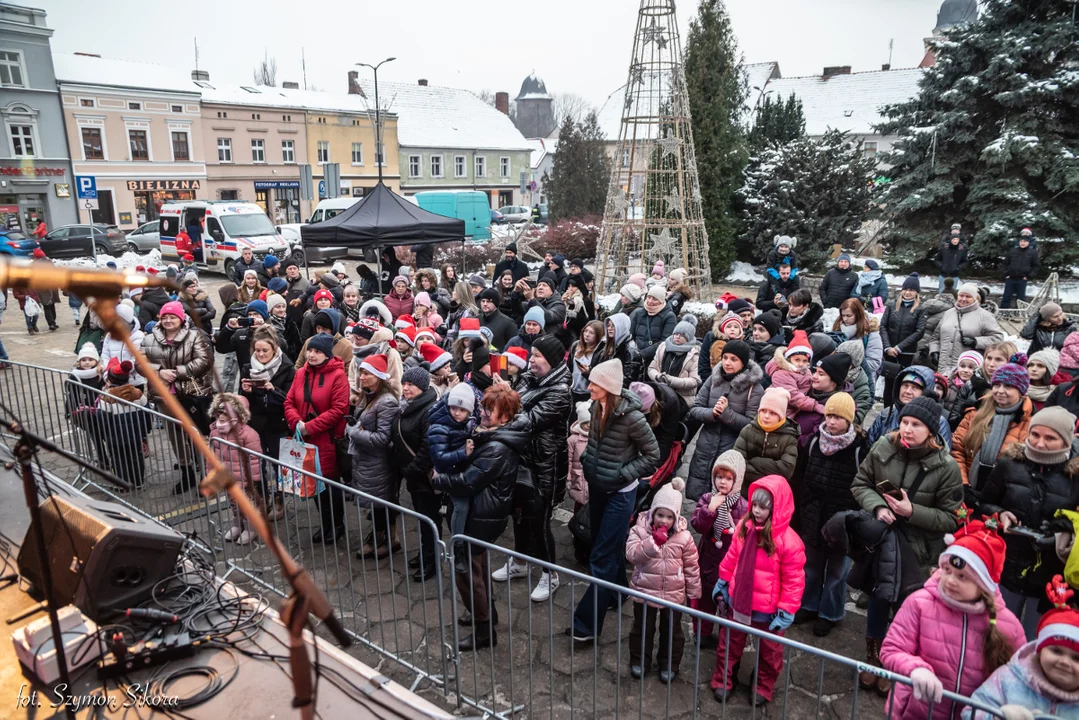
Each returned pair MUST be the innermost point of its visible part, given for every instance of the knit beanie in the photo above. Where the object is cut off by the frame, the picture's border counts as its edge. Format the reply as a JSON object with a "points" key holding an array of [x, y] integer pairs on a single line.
{"points": [[481, 354], [365, 327], [517, 356], [552, 350], [259, 307], [172, 308], [1057, 419], [727, 320], [925, 409], [492, 295], [461, 396], [687, 327], [670, 496], [678, 275], [638, 279], [842, 257], [799, 345], [435, 356], [842, 405], [912, 283], [970, 289], [1049, 309], [856, 350], [119, 372], [645, 393], [973, 355], [608, 375], [322, 294], [321, 342], [770, 322], [739, 306], [1059, 626], [550, 281], [89, 350], [535, 314], [468, 328], [584, 411], [836, 366], [738, 348], [477, 280], [776, 400], [823, 345], [658, 268], [981, 548], [418, 377], [422, 299], [274, 300], [657, 292], [632, 291], [736, 463], [1050, 358], [328, 318], [919, 375], [1013, 375]]}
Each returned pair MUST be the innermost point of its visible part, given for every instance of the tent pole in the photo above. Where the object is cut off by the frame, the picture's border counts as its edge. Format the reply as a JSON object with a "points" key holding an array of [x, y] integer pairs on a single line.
{"points": [[463, 256], [381, 294]]}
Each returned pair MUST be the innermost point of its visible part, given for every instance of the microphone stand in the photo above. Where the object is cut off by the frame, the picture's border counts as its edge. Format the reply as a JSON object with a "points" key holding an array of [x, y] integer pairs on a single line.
{"points": [[306, 597]]}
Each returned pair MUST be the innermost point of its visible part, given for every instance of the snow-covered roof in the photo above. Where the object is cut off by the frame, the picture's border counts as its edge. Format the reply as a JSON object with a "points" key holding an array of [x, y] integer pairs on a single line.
{"points": [[757, 77], [442, 117], [262, 95], [533, 88], [88, 70], [850, 103], [541, 148]]}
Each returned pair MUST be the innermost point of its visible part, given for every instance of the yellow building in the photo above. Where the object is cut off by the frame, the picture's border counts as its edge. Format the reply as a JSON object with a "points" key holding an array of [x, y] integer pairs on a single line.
{"points": [[347, 137]]}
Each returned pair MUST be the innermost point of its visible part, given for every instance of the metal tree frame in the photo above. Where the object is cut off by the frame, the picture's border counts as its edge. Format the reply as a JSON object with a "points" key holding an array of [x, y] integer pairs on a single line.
{"points": [[653, 209]]}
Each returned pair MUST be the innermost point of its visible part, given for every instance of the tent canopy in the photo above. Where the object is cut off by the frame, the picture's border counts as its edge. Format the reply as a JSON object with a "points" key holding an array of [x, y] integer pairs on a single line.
{"points": [[383, 219]]}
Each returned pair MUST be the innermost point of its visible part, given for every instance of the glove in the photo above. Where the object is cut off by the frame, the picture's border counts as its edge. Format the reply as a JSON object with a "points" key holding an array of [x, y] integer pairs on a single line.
{"points": [[659, 534], [934, 359], [721, 591], [1016, 712], [781, 621], [969, 342], [927, 686]]}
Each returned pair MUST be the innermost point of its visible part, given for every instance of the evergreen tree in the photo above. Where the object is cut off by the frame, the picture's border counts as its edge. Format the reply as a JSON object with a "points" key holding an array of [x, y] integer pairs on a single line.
{"points": [[815, 189], [992, 139], [717, 93], [577, 183], [777, 123]]}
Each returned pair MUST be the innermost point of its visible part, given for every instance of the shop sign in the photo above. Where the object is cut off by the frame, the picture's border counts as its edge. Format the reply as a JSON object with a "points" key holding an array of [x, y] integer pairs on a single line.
{"points": [[63, 190], [27, 171], [155, 185], [275, 184], [125, 218]]}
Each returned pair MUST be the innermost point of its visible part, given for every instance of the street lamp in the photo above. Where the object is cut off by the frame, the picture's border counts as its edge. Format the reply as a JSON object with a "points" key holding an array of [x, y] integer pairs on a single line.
{"points": [[378, 120]]}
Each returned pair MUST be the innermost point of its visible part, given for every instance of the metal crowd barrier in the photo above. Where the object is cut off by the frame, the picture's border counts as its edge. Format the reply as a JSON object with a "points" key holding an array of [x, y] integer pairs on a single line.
{"points": [[534, 669]]}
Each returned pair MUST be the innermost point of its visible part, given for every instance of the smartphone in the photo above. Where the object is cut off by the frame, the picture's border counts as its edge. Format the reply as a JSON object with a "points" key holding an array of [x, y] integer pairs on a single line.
{"points": [[885, 487], [245, 322]]}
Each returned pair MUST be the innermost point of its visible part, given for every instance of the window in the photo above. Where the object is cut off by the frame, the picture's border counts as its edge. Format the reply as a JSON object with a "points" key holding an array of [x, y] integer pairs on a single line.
{"points": [[323, 151], [286, 118], [92, 149], [86, 102], [22, 140], [222, 114], [414, 163], [256, 116], [504, 167], [459, 166], [288, 151], [180, 149], [380, 154], [134, 106], [869, 149], [11, 72], [140, 150], [357, 153], [228, 194], [625, 158], [224, 150], [177, 108], [481, 167], [436, 166], [258, 151]]}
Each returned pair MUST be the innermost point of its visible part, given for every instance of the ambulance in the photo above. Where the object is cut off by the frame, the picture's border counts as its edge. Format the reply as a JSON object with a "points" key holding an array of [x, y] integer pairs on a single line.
{"points": [[228, 226]]}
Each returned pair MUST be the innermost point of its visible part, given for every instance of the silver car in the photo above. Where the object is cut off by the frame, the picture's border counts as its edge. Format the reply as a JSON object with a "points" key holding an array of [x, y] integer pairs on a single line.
{"points": [[515, 213], [144, 238]]}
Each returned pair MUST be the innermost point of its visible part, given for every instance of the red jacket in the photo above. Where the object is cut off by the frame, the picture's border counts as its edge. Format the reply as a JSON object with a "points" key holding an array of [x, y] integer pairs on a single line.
{"points": [[183, 243], [40, 231], [324, 415]]}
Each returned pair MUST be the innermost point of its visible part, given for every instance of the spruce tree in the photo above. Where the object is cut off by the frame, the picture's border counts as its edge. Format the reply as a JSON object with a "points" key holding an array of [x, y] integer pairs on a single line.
{"points": [[777, 123], [717, 92], [992, 139], [815, 189], [577, 183]]}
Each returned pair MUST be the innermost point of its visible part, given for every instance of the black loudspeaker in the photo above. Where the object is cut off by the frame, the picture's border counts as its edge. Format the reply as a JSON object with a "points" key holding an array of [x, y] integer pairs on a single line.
{"points": [[102, 556]]}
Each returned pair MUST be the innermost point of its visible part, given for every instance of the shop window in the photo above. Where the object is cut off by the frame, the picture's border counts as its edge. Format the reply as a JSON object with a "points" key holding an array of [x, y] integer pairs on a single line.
{"points": [[224, 150], [140, 150], [180, 149], [92, 148], [258, 151], [415, 163], [459, 166], [288, 151], [22, 140], [11, 70]]}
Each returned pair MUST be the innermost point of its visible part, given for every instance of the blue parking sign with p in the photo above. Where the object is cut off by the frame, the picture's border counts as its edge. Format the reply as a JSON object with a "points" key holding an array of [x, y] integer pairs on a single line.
{"points": [[86, 187]]}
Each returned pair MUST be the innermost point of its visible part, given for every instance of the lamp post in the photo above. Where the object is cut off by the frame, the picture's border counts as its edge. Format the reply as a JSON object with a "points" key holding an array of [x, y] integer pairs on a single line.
{"points": [[378, 119]]}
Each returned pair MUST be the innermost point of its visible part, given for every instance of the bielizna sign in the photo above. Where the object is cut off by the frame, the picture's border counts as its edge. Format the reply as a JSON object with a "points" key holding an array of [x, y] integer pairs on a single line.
{"points": [[163, 185]]}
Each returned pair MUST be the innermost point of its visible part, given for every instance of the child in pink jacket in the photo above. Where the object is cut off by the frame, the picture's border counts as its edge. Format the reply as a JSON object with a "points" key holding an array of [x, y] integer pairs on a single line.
{"points": [[578, 440], [231, 414], [715, 517], [790, 370], [954, 632], [761, 581], [664, 561]]}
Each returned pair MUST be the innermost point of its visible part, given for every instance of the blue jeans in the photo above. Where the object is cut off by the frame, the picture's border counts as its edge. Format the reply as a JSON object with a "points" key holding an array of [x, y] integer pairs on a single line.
{"points": [[955, 283], [1025, 608], [878, 617], [609, 516], [1016, 288], [3, 351], [826, 584]]}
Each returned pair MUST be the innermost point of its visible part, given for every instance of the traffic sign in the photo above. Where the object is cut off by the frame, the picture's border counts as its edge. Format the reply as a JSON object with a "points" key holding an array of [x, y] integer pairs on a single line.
{"points": [[89, 204], [86, 187], [322, 188]]}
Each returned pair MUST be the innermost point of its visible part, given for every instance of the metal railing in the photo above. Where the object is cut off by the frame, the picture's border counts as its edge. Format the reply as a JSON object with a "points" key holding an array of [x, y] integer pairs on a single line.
{"points": [[532, 667]]}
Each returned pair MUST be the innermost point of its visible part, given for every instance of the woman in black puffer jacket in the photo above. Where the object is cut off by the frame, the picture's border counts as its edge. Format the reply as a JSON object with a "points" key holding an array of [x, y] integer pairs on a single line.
{"points": [[412, 457], [1029, 483], [901, 328]]}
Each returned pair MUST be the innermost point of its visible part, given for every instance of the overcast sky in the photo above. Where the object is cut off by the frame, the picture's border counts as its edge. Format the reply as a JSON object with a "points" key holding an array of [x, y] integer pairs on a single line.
{"points": [[579, 46]]}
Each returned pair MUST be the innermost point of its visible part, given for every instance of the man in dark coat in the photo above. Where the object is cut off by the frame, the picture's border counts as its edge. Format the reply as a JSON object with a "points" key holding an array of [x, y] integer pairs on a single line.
{"points": [[773, 292], [502, 328], [247, 262], [557, 268], [838, 283], [1020, 265], [1047, 328], [545, 297], [425, 256], [150, 304], [511, 263], [952, 257]]}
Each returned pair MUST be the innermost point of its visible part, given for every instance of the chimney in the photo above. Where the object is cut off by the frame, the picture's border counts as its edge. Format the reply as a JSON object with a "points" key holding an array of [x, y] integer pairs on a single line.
{"points": [[502, 102], [200, 75], [423, 82], [886, 67], [354, 83], [830, 72], [286, 85]]}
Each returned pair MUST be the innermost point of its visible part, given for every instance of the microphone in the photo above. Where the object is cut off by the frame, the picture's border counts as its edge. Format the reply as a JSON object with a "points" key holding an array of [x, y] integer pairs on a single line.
{"points": [[84, 282]]}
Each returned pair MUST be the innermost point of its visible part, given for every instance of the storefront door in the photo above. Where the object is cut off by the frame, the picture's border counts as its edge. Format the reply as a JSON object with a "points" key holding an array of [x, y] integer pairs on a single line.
{"points": [[262, 199], [287, 205]]}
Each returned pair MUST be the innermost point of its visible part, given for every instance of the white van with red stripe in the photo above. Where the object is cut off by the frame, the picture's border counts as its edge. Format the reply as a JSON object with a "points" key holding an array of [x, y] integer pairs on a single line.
{"points": [[227, 227]]}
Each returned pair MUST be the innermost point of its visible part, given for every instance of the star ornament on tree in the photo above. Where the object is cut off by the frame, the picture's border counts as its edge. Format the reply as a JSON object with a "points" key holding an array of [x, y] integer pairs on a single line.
{"points": [[668, 143], [618, 202], [661, 243], [654, 33], [673, 202]]}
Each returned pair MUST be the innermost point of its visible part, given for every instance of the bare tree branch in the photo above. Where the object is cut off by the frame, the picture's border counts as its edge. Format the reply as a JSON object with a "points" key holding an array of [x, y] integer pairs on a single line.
{"points": [[567, 104], [266, 71]]}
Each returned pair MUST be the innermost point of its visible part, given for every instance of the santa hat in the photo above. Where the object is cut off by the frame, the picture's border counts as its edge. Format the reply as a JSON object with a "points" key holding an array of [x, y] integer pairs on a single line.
{"points": [[428, 333], [377, 366], [978, 544], [434, 356], [1059, 626], [517, 356], [119, 372], [469, 328], [408, 334], [799, 345], [724, 300], [404, 321]]}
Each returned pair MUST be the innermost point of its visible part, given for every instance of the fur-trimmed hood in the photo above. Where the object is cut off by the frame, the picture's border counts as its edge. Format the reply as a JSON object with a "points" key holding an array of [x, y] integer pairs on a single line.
{"points": [[781, 362], [743, 381], [237, 403], [430, 275], [1014, 451]]}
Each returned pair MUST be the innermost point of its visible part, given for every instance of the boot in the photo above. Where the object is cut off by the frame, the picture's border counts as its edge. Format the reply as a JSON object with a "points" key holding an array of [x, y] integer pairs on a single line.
{"points": [[277, 512], [884, 686], [868, 680], [388, 542], [484, 637]]}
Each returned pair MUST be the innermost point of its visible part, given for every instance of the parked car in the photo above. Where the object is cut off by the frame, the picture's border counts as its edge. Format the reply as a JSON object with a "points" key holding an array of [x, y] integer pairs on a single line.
{"points": [[73, 241], [15, 244], [498, 218], [516, 213], [144, 238], [543, 214]]}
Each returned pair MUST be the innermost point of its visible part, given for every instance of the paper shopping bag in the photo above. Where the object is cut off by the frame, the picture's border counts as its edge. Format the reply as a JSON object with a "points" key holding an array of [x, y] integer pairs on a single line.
{"points": [[298, 468]]}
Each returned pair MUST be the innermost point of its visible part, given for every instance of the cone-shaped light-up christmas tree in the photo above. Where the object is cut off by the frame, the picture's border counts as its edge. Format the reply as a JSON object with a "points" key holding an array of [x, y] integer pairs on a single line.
{"points": [[653, 209]]}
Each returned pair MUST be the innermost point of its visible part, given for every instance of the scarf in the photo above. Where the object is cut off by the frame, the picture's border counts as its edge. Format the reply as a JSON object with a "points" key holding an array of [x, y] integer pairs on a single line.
{"points": [[351, 313], [722, 525], [867, 278], [481, 381], [831, 444], [268, 370], [994, 440], [849, 331], [1040, 393], [744, 575], [1046, 457], [1040, 683], [92, 373], [771, 428], [673, 347]]}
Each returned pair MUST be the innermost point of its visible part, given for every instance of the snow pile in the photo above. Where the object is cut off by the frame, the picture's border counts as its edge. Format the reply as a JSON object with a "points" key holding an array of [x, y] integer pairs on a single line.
{"points": [[125, 261], [609, 302], [742, 272]]}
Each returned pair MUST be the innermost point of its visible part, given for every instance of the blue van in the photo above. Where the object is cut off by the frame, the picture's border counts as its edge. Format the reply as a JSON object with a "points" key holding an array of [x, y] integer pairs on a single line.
{"points": [[472, 206]]}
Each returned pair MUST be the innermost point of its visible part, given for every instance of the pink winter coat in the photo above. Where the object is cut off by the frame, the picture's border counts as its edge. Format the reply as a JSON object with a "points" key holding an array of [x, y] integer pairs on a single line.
{"points": [[246, 438], [937, 633], [575, 482], [779, 579], [669, 572], [797, 384], [399, 305]]}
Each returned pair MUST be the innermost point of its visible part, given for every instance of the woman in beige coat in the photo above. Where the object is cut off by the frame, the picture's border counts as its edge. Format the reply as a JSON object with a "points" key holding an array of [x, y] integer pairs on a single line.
{"points": [[967, 326], [675, 363]]}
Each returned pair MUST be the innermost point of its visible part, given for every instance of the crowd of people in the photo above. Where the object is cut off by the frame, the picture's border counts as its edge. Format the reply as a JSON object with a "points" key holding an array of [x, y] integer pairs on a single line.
{"points": [[944, 501]]}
